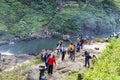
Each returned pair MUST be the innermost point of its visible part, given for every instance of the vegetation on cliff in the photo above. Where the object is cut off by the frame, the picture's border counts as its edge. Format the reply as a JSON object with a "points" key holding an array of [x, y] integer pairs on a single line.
{"points": [[21, 17]]}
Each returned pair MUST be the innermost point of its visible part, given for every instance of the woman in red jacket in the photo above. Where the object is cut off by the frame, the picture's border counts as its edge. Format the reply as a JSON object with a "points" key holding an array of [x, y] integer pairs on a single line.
{"points": [[51, 62]]}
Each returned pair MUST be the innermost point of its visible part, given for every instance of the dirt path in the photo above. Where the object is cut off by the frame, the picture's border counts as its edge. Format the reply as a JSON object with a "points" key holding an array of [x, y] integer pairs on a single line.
{"points": [[66, 67]]}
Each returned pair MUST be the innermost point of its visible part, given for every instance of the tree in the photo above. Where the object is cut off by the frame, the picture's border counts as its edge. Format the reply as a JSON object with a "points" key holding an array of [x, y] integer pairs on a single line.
{"points": [[3, 28]]}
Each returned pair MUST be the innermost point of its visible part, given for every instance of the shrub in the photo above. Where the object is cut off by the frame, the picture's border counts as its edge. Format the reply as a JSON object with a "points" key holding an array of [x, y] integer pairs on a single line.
{"points": [[108, 65]]}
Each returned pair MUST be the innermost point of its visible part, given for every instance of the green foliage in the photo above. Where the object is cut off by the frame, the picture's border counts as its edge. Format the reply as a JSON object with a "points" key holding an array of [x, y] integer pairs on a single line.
{"points": [[37, 60], [6, 11], [29, 23], [108, 65], [3, 27], [94, 19], [114, 3], [33, 15], [63, 21], [16, 74], [89, 18], [106, 3], [73, 76], [24, 16]]}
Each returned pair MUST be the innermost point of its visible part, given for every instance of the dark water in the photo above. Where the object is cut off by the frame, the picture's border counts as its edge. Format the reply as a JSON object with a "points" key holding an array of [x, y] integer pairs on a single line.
{"points": [[26, 47]]}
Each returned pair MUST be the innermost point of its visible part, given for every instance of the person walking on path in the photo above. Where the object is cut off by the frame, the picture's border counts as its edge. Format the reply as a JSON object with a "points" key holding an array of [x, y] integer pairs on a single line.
{"points": [[51, 62], [63, 52], [59, 46], [72, 51], [78, 46], [94, 58], [46, 57], [87, 59], [82, 42]]}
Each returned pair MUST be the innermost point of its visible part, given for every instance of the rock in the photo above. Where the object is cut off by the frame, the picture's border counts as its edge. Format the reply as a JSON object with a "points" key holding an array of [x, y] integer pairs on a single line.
{"points": [[96, 48], [66, 37], [61, 67], [33, 74], [54, 76], [65, 71], [8, 62]]}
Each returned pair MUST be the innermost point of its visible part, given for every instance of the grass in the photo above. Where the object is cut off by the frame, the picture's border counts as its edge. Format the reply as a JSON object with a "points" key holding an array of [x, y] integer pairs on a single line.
{"points": [[108, 65], [20, 72]]}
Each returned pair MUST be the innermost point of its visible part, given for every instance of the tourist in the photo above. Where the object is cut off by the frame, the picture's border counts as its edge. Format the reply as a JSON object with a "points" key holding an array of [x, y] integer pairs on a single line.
{"points": [[60, 42], [51, 62], [63, 52], [42, 54], [87, 59], [74, 53], [82, 42], [59, 47], [46, 57], [78, 46], [45, 54], [94, 58], [71, 50], [42, 57]]}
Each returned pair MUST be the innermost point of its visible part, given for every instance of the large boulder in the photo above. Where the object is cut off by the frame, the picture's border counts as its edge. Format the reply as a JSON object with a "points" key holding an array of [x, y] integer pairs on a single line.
{"points": [[66, 37], [33, 74]]}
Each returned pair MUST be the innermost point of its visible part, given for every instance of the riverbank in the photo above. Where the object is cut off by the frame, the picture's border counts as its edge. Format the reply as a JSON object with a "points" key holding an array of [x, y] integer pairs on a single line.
{"points": [[24, 63], [64, 69], [9, 62]]}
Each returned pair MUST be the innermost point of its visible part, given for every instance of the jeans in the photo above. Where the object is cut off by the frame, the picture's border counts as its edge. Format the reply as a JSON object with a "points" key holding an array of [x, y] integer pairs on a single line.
{"points": [[78, 49], [50, 69], [87, 62], [72, 56], [63, 55]]}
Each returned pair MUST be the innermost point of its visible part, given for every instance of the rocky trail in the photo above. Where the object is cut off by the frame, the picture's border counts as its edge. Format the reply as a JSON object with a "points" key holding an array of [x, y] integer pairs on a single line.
{"points": [[66, 67]]}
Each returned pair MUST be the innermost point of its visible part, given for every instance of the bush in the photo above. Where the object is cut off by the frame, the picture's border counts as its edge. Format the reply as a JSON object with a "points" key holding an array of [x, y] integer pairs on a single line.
{"points": [[108, 65]]}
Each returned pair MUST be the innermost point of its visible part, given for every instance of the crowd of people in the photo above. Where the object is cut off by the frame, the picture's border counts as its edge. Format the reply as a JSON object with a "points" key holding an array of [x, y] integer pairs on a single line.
{"points": [[62, 50], [49, 60], [72, 49]]}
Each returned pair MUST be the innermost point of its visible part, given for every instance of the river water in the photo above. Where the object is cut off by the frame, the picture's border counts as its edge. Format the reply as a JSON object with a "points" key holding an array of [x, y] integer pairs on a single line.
{"points": [[32, 46], [27, 47]]}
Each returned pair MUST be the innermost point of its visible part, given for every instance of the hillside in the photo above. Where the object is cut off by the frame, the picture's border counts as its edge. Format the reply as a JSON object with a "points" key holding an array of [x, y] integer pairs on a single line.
{"points": [[21, 17]]}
